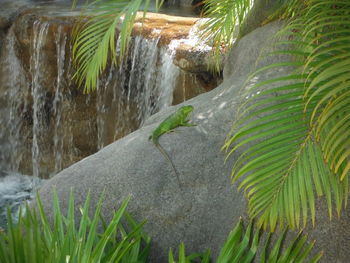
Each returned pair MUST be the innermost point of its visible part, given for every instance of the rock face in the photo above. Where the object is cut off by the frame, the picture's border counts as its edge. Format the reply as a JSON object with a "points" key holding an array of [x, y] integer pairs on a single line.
{"points": [[48, 123], [260, 13], [183, 7], [207, 207], [190, 54], [9, 10]]}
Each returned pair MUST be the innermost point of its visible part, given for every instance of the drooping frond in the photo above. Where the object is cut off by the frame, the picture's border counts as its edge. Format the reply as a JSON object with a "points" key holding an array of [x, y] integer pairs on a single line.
{"points": [[289, 9], [242, 245], [292, 133], [94, 38], [283, 168], [223, 18], [328, 67]]}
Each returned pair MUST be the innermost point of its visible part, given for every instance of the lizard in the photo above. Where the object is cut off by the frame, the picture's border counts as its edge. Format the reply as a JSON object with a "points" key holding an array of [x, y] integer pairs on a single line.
{"points": [[179, 118]]}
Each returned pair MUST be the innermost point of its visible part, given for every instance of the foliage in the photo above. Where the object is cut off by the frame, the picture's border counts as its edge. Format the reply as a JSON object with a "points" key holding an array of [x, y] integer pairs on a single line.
{"points": [[94, 37], [299, 141], [242, 246], [33, 239], [223, 18], [182, 258]]}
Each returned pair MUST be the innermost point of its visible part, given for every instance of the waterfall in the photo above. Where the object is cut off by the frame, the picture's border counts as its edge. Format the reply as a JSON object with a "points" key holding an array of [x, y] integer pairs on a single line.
{"points": [[49, 124], [142, 85], [38, 93], [12, 133], [60, 41]]}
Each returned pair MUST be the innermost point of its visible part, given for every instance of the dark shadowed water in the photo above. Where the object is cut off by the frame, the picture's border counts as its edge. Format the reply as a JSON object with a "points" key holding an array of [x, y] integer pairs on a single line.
{"points": [[169, 8], [15, 190]]}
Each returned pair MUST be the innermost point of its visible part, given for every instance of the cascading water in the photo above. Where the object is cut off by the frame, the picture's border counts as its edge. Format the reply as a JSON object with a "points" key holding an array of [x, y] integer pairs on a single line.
{"points": [[38, 94], [126, 96], [12, 133], [135, 90], [60, 41]]}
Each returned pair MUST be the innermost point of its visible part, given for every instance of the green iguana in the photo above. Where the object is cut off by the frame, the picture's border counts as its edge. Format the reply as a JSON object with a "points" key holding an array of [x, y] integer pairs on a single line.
{"points": [[179, 118]]}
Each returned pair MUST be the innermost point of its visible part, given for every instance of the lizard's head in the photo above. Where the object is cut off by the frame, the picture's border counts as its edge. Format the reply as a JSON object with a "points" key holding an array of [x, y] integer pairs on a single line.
{"points": [[187, 109]]}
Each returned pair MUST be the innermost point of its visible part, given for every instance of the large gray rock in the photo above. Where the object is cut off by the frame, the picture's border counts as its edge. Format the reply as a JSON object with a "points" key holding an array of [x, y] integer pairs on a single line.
{"points": [[261, 12], [204, 211]]}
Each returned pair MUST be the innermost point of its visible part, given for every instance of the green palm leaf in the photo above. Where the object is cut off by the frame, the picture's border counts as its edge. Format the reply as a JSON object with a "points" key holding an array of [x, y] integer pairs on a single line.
{"points": [[223, 16], [94, 41], [292, 133], [243, 244], [329, 70]]}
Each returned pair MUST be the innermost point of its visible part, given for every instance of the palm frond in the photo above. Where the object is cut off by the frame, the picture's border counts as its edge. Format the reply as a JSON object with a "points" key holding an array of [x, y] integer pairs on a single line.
{"points": [[293, 131], [242, 245], [223, 17], [329, 74], [94, 39], [281, 167], [289, 9]]}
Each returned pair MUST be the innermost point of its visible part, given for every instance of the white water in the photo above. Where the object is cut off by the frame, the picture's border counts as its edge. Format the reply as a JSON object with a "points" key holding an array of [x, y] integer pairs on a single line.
{"points": [[12, 136], [60, 41], [141, 86], [38, 93]]}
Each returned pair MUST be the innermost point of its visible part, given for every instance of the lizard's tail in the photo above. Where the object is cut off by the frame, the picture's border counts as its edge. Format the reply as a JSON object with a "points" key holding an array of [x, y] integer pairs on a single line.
{"points": [[165, 154]]}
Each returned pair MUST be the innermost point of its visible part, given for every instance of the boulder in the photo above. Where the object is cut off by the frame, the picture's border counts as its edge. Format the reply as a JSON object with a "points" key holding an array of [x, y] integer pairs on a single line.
{"points": [[203, 211], [260, 14], [182, 7]]}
